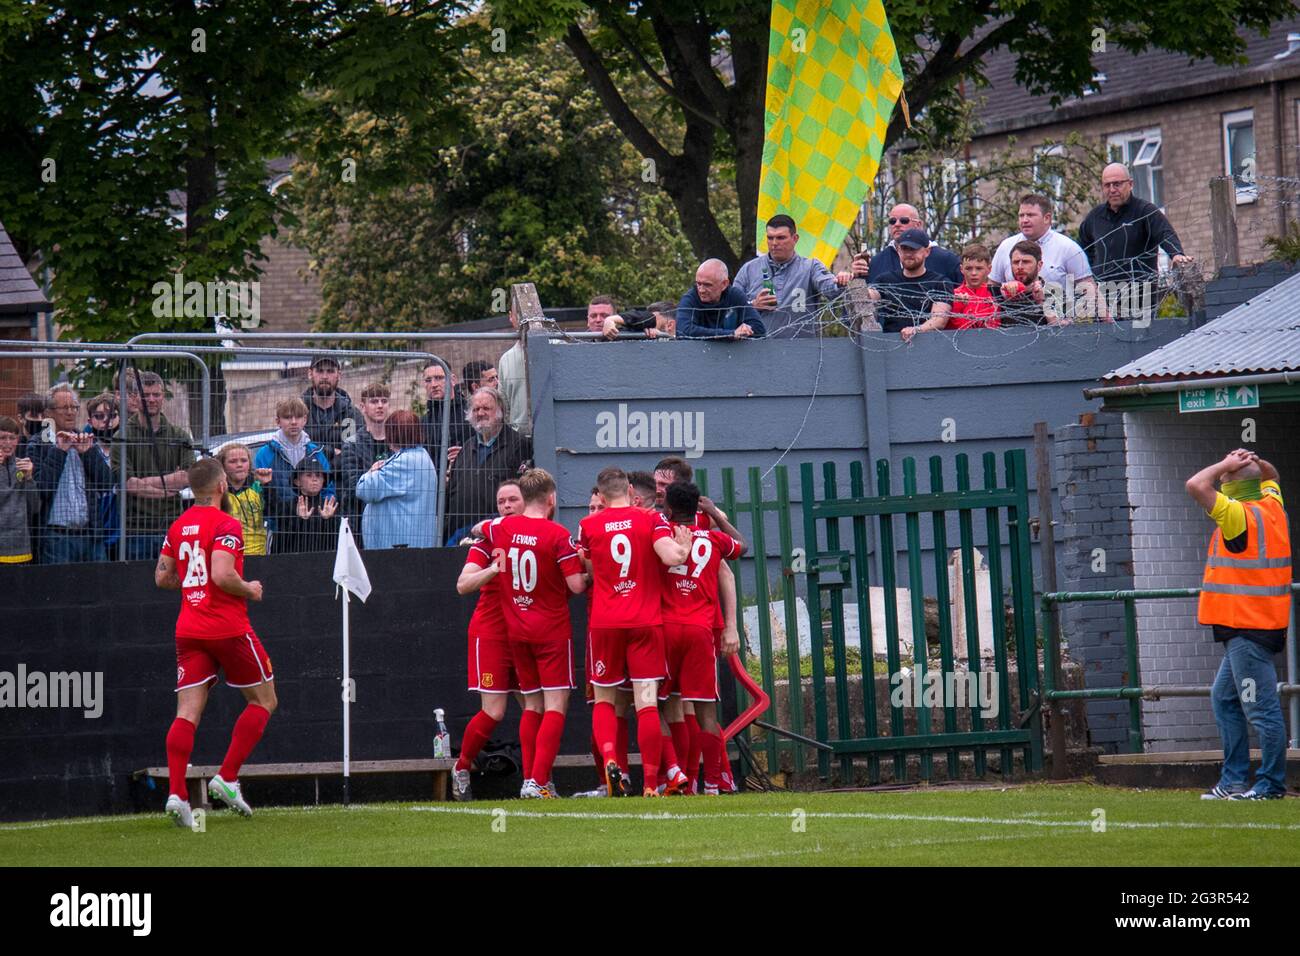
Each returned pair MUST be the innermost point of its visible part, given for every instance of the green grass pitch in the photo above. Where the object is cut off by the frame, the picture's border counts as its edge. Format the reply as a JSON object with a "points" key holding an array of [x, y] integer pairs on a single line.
{"points": [[1037, 824]]}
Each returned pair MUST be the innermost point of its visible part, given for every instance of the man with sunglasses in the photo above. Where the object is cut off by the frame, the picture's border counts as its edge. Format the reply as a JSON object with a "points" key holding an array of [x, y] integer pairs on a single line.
{"points": [[1124, 234], [940, 261]]}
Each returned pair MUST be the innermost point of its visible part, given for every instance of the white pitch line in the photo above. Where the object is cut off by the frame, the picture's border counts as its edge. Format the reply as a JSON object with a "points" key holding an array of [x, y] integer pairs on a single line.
{"points": [[714, 858]]}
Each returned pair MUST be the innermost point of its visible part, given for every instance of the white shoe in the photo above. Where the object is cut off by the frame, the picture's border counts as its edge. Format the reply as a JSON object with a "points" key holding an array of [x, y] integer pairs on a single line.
{"points": [[229, 794], [598, 792], [460, 785], [530, 791], [180, 812]]}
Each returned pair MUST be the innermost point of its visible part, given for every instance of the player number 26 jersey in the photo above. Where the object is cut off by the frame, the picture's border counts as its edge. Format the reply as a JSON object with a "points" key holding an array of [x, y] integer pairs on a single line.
{"points": [[206, 610]]}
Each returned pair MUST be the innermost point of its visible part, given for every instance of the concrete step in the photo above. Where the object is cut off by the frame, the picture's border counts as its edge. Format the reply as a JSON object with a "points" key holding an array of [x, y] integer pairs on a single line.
{"points": [[1195, 769]]}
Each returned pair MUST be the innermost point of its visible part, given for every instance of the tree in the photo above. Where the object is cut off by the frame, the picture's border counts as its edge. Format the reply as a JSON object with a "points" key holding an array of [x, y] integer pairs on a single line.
{"points": [[708, 58], [540, 188]]}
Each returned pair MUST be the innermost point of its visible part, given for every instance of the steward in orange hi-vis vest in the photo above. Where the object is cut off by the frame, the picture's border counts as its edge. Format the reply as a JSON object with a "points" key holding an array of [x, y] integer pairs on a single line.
{"points": [[1250, 589]]}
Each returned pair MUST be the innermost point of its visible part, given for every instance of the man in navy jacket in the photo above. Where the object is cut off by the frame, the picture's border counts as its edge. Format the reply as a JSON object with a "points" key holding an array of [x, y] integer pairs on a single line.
{"points": [[714, 309]]}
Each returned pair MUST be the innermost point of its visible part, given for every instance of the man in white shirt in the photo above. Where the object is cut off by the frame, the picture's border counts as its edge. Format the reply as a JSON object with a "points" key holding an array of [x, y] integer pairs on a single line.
{"points": [[1062, 256]]}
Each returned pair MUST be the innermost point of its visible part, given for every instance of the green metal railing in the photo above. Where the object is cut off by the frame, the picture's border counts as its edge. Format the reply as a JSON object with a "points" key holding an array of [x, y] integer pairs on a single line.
{"points": [[838, 567], [1133, 691]]}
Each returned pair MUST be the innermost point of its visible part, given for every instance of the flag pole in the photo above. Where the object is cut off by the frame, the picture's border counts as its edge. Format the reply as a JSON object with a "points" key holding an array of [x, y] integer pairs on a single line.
{"points": [[347, 703]]}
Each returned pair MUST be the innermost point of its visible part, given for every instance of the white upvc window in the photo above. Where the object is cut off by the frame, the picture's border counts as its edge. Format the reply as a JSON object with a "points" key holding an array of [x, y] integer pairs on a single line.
{"points": [[1239, 153]]}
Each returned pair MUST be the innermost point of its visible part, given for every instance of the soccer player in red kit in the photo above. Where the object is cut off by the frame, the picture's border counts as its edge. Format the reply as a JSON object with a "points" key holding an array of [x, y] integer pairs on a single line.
{"points": [[681, 715], [690, 603], [203, 558], [625, 547], [491, 671], [537, 567]]}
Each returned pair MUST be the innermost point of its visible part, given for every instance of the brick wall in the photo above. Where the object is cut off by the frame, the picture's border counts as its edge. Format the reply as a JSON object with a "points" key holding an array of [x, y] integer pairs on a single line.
{"points": [[290, 297], [1089, 466], [1170, 534], [1192, 153]]}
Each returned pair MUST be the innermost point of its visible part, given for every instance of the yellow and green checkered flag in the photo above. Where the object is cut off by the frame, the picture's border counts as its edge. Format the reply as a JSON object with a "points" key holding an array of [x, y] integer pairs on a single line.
{"points": [[832, 81]]}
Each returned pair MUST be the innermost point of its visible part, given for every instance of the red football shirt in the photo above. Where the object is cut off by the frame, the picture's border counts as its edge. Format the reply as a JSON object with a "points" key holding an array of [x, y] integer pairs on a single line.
{"points": [[539, 555], [488, 620], [624, 567], [691, 589], [974, 308], [207, 612]]}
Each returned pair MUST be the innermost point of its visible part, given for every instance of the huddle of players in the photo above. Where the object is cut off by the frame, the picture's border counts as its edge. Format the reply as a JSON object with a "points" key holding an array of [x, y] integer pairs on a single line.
{"points": [[661, 605]]}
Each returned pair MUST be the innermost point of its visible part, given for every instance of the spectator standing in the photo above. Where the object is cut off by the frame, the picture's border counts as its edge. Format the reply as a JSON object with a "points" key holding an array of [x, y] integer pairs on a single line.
{"points": [[307, 520], [715, 309], [102, 422], [600, 308], [513, 368], [1059, 255], [1024, 300], [478, 373], [1123, 235], [20, 503], [492, 453], [914, 295], [655, 320], [401, 491], [902, 218], [974, 302], [71, 475], [245, 497], [788, 287], [435, 389], [365, 448], [331, 416], [286, 450], [31, 411], [158, 456]]}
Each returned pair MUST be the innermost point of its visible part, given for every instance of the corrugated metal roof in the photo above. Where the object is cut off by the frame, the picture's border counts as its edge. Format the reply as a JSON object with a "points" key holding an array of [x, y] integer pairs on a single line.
{"points": [[18, 291], [1262, 335]]}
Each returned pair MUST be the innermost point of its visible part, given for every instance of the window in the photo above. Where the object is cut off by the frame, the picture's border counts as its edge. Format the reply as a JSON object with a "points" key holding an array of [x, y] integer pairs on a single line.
{"points": [[1140, 151], [1239, 153], [1051, 173], [950, 201]]}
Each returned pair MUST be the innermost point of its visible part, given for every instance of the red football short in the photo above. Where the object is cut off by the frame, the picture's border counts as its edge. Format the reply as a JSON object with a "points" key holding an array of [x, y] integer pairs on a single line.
{"points": [[632, 653], [242, 659], [491, 668], [692, 661], [544, 665], [589, 689]]}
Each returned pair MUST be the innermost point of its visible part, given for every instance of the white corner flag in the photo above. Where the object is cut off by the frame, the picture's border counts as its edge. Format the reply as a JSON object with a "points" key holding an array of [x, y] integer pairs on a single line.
{"points": [[349, 571], [350, 575]]}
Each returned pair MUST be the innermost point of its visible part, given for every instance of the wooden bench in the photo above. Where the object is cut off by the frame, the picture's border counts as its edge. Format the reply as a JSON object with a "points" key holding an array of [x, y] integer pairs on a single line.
{"points": [[197, 777]]}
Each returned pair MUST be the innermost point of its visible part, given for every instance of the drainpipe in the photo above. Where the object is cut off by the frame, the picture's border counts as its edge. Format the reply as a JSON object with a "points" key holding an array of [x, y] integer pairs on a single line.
{"points": [[1275, 91]]}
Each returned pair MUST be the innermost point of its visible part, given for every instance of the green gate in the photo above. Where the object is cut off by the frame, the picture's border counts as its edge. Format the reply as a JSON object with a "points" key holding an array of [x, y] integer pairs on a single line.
{"points": [[835, 563]]}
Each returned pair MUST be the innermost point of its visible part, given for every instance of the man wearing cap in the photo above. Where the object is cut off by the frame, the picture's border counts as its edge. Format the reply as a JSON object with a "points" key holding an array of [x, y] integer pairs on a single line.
{"points": [[902, 218], [331, 416], [1246, 599], [914, 294]]}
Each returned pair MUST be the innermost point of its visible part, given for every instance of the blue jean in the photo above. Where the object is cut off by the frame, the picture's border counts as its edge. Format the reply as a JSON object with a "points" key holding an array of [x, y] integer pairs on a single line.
{"points": [[143, 547], [1238, 706], [70, 547]]}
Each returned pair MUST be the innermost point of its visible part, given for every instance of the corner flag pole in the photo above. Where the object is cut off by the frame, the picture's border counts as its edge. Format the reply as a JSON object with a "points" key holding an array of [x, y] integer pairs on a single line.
{"points": [[350, 576]]}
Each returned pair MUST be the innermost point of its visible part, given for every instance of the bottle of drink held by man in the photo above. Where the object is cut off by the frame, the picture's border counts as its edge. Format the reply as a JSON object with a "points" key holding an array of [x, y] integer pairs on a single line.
{"points": [[441, 739], [767, 282]]}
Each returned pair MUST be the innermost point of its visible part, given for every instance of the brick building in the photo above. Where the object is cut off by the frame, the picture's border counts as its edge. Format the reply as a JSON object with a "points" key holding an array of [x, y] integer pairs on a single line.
{"points": [[21, 304]]}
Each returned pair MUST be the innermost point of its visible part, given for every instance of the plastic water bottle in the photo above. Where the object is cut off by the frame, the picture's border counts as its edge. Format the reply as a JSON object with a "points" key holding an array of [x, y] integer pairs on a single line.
{"points": [[441, 739]]}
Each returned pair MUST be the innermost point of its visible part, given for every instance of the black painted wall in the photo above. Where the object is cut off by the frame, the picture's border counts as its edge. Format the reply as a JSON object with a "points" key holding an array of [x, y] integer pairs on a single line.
{"points": [[408, 657]]}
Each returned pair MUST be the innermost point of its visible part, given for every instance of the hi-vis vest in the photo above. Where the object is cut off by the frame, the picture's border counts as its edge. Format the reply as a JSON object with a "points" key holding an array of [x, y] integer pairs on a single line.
{"points": [[1252, 589]]}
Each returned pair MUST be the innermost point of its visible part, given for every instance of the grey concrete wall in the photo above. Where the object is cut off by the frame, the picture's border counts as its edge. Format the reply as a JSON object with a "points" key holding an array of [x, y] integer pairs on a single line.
{"points": [[1090, 472], [832, 399], [1170, 533]]}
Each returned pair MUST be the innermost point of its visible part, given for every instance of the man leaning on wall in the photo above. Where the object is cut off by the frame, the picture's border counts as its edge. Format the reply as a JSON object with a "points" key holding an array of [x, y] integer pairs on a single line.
{"points": [[1246, 599]]}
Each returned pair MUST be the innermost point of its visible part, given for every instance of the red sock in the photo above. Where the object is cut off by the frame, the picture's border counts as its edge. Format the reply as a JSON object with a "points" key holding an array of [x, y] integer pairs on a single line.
{"points": [[247, 732], [692, 767], [548, 744], [620, 744], [651, 743], [529, 721], [711, 744], [180, 744], [604, 727], [681, 742], [478, 733], [595, 751]]}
